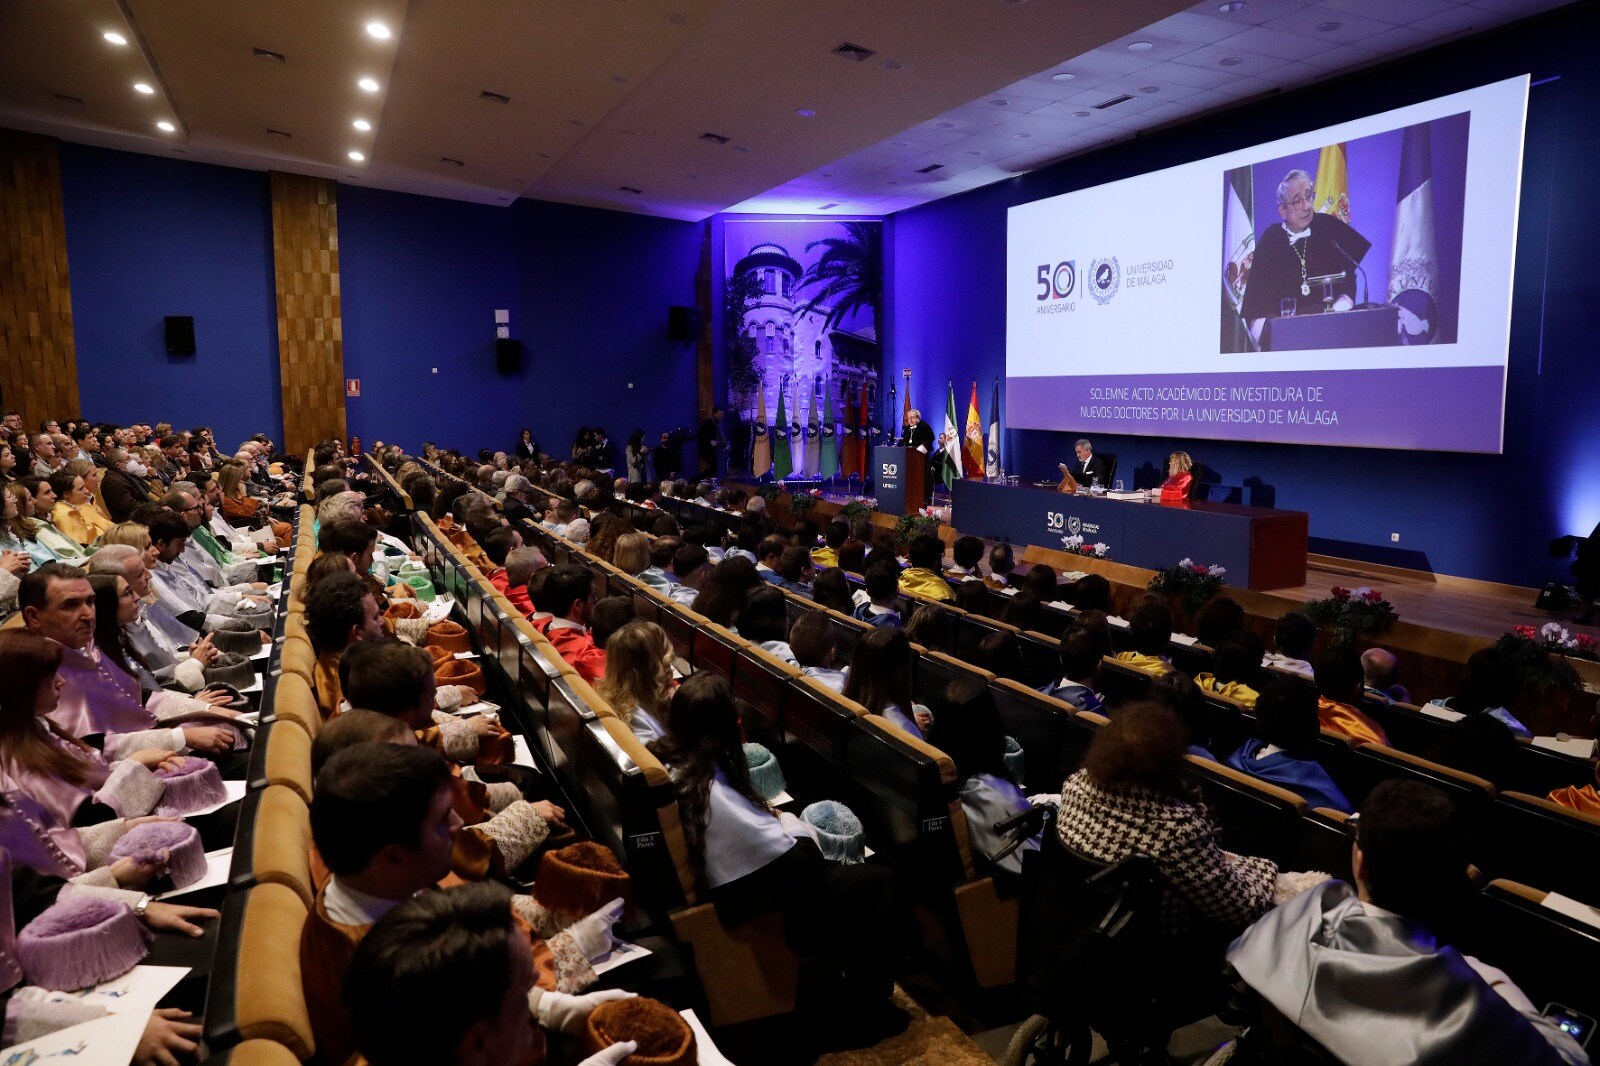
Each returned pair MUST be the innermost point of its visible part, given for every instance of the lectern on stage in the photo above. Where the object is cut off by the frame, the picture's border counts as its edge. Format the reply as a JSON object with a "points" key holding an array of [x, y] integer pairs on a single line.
{"points": [[900, 474], [1368, 327]]}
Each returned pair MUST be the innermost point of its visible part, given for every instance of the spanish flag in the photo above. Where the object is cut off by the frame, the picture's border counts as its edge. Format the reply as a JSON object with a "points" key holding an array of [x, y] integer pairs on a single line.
{"points": [[972, 451], [1333, 183]]}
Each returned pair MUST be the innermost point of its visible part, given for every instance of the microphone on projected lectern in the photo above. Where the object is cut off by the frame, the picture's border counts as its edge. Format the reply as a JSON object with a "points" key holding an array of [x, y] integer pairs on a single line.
{"points": [[1359, 270]]}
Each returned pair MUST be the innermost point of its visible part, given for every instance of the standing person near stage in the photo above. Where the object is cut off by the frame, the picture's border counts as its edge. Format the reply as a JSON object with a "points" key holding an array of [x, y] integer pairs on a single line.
{"points": [[711, 443]]}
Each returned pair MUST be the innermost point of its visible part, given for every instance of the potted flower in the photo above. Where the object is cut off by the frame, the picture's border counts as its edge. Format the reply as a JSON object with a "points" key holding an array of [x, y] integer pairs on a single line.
{"points": [[1074, 545], [1352, 613], [1191, 582], [911, 526]]}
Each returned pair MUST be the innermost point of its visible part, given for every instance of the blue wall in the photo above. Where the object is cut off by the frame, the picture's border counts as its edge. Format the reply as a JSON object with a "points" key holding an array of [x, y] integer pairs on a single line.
{"points": [[1488, 517], [588, 293], [149, 237]]}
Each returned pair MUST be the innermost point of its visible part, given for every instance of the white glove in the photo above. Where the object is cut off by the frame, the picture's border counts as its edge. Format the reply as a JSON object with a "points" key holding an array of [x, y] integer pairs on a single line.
{"points": [[612, 1055], [565, 1013], [594, 934]]}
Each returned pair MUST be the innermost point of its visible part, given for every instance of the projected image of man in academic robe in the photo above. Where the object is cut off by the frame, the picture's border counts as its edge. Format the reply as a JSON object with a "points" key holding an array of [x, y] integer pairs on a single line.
{"points": [[1304, 245]]}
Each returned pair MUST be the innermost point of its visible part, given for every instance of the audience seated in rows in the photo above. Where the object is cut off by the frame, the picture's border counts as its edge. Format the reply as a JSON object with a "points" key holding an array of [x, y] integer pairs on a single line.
{"points": [[1375, 949]]}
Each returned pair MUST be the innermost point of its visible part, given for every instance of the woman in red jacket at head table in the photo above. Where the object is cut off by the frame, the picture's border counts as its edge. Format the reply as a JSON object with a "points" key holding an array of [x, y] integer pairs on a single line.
{"points": [[1179, 478]]}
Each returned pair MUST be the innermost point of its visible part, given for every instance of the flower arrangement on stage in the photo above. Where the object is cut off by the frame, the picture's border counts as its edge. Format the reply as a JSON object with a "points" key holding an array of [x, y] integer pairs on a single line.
{"points": [[912, 526], [858, 507], [1552, 636], [1195, 582], [1074, 545], [1352, 613], [1538, 657], [801, 503]]}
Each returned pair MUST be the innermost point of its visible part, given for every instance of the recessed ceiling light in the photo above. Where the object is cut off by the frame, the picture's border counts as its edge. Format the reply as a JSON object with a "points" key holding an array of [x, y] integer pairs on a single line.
{"points": [[379, 31], [890, 64], [805, 112], [1231, 6], [1140, 46], [114, 37], [165, 127], [1063, 75], [891, 183], [1149, 89], [740, 148], [546, 155], [1080, 114], [900, 144], [368, 85], [945, 125], [973, 151], [678, 20], [999, 103], [357, 157], [575, 122], [1328, 27], [620, 79], [692, 177], [362, 124], [1231, 61], [142, 87]]}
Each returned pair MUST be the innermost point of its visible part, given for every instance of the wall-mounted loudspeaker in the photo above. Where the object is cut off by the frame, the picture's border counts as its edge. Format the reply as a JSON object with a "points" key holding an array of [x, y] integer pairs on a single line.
{"points": [[507, 355], [683, 323], [180, 334]]}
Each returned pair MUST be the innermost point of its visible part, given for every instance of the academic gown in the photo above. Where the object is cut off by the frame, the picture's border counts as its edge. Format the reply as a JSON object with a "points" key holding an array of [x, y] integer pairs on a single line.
{"points": [[1304, 777], [1275, 271]]}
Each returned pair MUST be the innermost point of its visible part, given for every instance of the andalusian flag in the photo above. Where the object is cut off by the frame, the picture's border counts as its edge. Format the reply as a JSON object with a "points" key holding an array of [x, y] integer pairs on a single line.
{"points": [[761, 458], [972, 451], [1239, 242], [782, 465], [992, 459], [949, 463], [830, 434], [813, 437], [1332, 195]]}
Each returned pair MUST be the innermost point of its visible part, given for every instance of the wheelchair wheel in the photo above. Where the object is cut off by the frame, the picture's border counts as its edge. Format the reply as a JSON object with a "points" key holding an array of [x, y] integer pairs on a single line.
{"points": [[1040, 1042]]}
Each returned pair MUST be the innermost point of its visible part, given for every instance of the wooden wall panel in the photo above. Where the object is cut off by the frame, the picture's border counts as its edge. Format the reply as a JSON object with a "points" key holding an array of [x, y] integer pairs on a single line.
{"points": [[305, 251], [38, 364]]}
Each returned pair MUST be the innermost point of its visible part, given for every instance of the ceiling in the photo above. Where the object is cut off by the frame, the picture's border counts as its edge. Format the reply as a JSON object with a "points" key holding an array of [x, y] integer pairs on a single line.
{"points": [[1199, 60], [608, 102]]}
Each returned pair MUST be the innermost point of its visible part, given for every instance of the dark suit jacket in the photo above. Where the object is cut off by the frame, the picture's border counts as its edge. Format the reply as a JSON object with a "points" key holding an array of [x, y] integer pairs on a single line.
{"points": [[122, 493], [1085, 473]]}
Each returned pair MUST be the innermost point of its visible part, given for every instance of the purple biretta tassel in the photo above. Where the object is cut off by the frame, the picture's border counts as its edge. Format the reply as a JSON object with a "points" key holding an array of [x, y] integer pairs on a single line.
{"points": [[174, 843], [194, 786], [80, 942]]}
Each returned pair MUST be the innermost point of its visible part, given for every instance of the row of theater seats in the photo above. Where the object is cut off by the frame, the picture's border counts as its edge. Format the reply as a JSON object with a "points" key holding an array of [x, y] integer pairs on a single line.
{"points": [[904, 790]]}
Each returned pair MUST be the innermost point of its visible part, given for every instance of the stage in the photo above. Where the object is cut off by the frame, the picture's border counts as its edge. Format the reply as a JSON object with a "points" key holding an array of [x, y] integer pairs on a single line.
{"points": [[1480, 611]]}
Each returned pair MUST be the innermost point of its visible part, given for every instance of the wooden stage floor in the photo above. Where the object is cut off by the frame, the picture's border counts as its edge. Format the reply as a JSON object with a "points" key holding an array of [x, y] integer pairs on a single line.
{"points": [[1439, 601]]}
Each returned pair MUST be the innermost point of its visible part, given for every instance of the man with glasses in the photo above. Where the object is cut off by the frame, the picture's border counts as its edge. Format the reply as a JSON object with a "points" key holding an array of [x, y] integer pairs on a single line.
{"points": [[1291, 255]]}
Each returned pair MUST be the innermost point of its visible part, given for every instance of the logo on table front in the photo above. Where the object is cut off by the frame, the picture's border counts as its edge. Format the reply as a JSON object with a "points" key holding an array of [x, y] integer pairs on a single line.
{"points": [[1105, 277], [890, 470], [1074, 526]]}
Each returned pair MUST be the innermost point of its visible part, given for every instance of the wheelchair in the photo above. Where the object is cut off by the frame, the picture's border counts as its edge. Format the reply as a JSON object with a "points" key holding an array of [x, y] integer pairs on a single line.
{"points": [[1091, 958]]}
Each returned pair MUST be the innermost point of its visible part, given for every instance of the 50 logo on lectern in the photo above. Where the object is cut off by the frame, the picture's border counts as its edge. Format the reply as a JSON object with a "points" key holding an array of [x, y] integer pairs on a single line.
{"points": [[1057, 283]]}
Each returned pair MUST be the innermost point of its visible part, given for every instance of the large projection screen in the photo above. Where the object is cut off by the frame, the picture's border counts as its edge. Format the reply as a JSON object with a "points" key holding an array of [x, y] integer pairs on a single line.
{"points": [[1346, 286]]}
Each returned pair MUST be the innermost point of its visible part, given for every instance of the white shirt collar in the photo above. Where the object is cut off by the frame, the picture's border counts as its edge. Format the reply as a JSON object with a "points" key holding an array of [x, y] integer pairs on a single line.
{"points": [[565, 623], [351, 906], [1294, 236]]}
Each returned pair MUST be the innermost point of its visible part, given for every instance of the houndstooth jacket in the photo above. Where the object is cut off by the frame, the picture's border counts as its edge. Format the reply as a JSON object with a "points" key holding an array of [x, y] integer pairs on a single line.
{"points": [[1201, 879]]}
